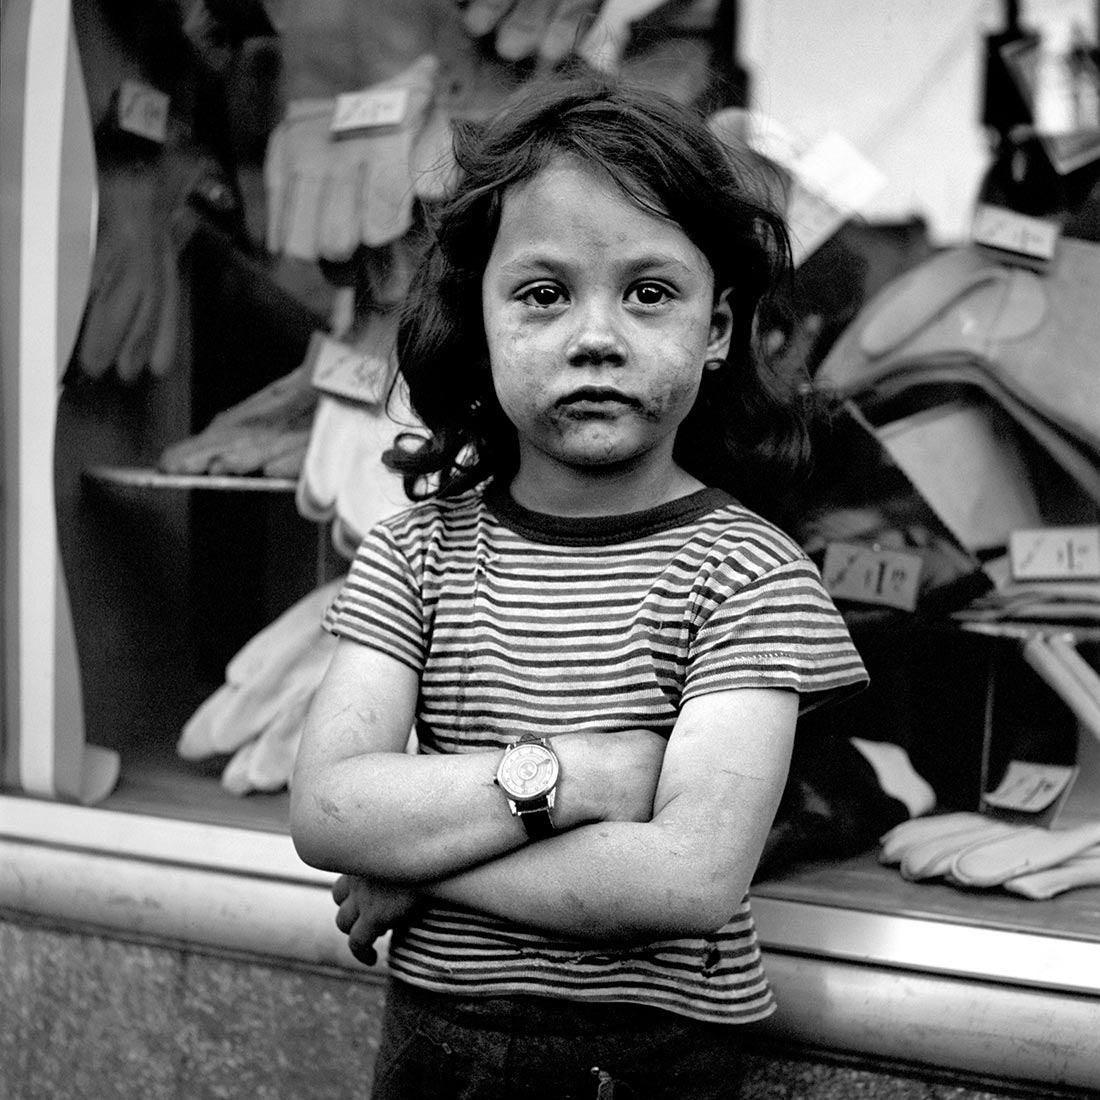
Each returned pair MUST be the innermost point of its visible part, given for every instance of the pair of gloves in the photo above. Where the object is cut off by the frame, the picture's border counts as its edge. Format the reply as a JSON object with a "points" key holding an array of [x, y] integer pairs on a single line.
{"points": [[258, 714], [328, 195], [976, 851], [551, 30], [333, 446]]}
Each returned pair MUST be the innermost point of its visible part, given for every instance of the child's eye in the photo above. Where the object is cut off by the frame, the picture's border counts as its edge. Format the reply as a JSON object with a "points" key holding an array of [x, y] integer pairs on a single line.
{"points": [[543, 296], [649, 294]]}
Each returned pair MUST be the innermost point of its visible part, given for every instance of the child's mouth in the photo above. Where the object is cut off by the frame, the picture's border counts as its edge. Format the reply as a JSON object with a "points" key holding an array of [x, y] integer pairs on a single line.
{"points": [[597, 399]]}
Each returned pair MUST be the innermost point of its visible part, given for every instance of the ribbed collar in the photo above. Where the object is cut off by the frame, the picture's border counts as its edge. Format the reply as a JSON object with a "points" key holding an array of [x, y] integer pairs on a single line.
{"points": [[600, 530]]}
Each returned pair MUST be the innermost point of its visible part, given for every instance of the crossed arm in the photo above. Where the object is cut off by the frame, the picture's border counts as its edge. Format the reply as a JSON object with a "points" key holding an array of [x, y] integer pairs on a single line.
{"points": [[657, 840]]}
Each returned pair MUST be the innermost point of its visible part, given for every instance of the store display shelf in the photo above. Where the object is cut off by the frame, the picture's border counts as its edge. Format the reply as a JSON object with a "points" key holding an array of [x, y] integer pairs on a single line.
{"points": [[859, 910], [146, 477], [1021, 629]]}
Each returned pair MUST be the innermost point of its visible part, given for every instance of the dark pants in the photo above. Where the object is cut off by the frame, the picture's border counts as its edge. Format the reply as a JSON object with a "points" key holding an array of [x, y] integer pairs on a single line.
{"points": [[441, 1047]]}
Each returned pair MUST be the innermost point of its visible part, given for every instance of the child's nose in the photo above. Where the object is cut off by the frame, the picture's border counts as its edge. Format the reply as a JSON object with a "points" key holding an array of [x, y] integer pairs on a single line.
{"points": [[597, 336]]}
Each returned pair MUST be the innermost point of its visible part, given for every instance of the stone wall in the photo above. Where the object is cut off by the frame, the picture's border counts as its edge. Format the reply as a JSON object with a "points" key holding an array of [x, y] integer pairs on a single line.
{"points": [[89, 1017]]}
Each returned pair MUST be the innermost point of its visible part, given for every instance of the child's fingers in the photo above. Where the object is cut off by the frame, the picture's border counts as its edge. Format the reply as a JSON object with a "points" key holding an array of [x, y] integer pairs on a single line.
{"points": [[341, 888], [367, 955], [347, 915], [361, 941]]}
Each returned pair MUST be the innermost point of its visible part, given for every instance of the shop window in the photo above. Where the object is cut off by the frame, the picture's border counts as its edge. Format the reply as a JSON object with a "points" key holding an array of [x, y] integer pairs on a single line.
{"points": [[127, 598]]}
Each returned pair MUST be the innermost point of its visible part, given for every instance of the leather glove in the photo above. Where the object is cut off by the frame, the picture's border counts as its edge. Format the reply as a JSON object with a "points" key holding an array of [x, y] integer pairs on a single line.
{"points": [[149, 207], [1024, 850], [343, 477], [1081, 870], [266, 432], [266, 763], [934, 857], [895, 843], [328, 195], [976, 851]]}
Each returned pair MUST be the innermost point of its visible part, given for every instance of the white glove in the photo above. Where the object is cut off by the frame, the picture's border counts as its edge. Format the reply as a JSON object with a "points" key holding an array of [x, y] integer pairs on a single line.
{"points": [[266, 429], [343, 476], [895, 843], [328, 195], [896, 775], [976, 851], [934, 858], [286, 658], [1024, 851], [1082, 870], [266, 763]]}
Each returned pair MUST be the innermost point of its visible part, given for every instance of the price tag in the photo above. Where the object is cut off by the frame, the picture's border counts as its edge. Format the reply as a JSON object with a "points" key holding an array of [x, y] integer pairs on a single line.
{"points": [[369, 110], [869, 574], [143, 111], [347, 372], [833, 181], [1032, 238], [1055, 553], [1031, 788], [812, 220], [835, 169]]}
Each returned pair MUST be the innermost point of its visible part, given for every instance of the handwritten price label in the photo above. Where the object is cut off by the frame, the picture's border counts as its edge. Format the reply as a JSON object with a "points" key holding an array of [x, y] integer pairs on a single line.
{"points": [[867, 574], [1031, 788], [1055, 553], [369, 110], [344, 371], [143, 111], [832, 181], [995, 227]]}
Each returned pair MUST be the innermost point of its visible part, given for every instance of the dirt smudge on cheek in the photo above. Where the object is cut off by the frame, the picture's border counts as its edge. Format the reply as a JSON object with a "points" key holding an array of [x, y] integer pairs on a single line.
{"points": [[330, 809]]}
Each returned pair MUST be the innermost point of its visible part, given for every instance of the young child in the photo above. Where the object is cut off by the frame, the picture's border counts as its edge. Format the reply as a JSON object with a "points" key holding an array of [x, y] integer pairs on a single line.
{"points": [[603, 649]]}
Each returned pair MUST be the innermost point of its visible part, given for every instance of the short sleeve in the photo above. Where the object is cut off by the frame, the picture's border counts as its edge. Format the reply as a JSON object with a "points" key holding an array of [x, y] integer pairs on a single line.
{"points": [[380, 602], [781, 630]]}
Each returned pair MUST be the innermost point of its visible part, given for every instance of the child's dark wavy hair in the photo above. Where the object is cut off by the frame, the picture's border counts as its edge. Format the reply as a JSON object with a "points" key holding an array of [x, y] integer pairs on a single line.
{"points": [[744, 433]]}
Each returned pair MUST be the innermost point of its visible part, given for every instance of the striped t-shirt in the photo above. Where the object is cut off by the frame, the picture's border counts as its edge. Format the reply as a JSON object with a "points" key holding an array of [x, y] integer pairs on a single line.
{"points": [[518, 622]]}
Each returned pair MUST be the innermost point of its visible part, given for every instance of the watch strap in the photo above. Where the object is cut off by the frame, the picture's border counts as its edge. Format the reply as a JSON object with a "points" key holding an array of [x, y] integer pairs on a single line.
{"points": [[536, 819]]}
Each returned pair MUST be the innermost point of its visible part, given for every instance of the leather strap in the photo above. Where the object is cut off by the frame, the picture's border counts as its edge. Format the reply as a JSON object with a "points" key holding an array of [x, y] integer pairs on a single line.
{"points": [[536, 820]]}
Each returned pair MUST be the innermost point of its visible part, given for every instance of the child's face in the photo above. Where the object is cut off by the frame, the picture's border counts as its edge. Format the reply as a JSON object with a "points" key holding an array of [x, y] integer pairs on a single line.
{"points": [[599, 317]]}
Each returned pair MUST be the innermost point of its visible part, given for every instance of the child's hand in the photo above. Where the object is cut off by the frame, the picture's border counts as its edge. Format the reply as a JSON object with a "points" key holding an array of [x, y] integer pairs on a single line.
{"points": [[367, 910]]}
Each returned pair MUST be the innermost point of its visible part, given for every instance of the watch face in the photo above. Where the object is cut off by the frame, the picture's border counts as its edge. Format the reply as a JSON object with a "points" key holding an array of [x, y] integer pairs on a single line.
{"points": [[529, 771]]}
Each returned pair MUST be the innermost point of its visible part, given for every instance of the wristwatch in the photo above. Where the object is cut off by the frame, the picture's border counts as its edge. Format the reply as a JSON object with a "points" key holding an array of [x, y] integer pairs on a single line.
{"points": [[528, 776]]}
